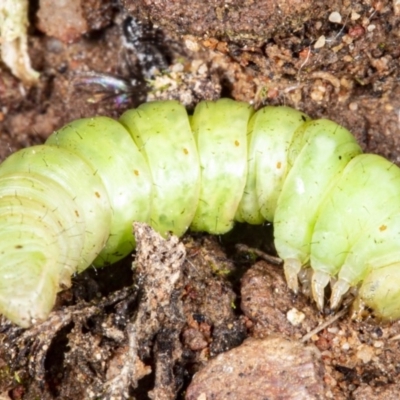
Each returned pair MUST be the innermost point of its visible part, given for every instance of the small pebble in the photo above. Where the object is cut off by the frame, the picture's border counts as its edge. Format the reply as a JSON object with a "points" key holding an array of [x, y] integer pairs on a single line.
{"points": [[335, 17], [320, 42], [295, 317]]}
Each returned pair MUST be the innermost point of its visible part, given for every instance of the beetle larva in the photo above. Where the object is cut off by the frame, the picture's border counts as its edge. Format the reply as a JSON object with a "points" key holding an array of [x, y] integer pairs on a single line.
{"points": [[71, 202]]}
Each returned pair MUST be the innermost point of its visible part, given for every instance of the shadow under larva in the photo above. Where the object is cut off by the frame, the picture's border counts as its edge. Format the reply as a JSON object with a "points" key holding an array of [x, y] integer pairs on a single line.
{"points": [[70, 203]]}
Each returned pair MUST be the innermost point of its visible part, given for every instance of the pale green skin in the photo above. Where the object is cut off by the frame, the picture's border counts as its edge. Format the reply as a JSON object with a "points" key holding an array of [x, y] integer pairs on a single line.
{"points": [[124, 174], [318, 153], [90, 201], [34, 215], [71, 203], [220, 129], [270, 132], [357, 235], [162, 133]]}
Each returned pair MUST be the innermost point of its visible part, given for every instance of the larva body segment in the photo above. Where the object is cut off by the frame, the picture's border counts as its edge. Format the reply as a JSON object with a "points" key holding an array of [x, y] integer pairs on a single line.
{"points": [[270, 133], [357, 214], [163, 135], [318, 153], [108, 148], [72, 202], [220, 130], [380, 291]]}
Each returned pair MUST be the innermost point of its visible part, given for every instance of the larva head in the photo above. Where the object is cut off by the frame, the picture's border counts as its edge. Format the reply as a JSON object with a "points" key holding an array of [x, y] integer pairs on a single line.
{"points": [[42, 235], [88, 202], [380, 291]]}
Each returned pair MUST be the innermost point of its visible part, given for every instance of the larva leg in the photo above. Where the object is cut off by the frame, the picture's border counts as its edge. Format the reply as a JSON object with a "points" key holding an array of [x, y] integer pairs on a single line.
{"points": [[270, 133], [319, 281], [354, 217], [291, 268], [318, 153], [375, 249], [339, 290]]}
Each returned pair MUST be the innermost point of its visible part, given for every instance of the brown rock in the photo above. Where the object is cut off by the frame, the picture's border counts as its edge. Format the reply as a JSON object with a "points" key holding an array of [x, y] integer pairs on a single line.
{"points": [[267, 300], [272, 368]]}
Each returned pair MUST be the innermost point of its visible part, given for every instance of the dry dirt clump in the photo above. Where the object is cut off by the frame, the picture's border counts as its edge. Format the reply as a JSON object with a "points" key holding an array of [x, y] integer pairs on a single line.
{"points": [[193, 307], [331, 59], [240, 22]]}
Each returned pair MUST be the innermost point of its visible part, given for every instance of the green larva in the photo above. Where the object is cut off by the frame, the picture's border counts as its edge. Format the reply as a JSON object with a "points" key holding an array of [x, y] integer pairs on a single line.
{"points": [[70, 203]]}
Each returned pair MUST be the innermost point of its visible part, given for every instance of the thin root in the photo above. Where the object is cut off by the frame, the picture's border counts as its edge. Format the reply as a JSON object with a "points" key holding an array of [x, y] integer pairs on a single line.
{"points": [[267, 257], [325, 324]]}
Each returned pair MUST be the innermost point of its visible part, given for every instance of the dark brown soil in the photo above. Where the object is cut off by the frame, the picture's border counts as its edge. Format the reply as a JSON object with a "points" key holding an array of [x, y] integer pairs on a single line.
{"points": [[282, 52]]}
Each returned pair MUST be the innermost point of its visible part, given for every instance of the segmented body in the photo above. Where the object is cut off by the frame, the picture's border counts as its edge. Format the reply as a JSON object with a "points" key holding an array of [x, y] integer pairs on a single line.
{"points": [[71, 202]]}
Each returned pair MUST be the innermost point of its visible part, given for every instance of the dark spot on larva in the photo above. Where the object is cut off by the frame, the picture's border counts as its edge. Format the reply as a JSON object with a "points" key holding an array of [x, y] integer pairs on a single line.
{"points": [[303, 118], [77, 213], [136, 172], [237, 143], [340, 157], [278, 165], [19, 246], [186, 151], [97, 194], [163, 218], [382, 228]]}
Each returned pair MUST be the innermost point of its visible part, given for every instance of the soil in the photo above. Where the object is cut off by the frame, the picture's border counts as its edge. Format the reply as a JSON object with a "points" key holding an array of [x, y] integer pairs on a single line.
{"points": [[107, 338]]}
